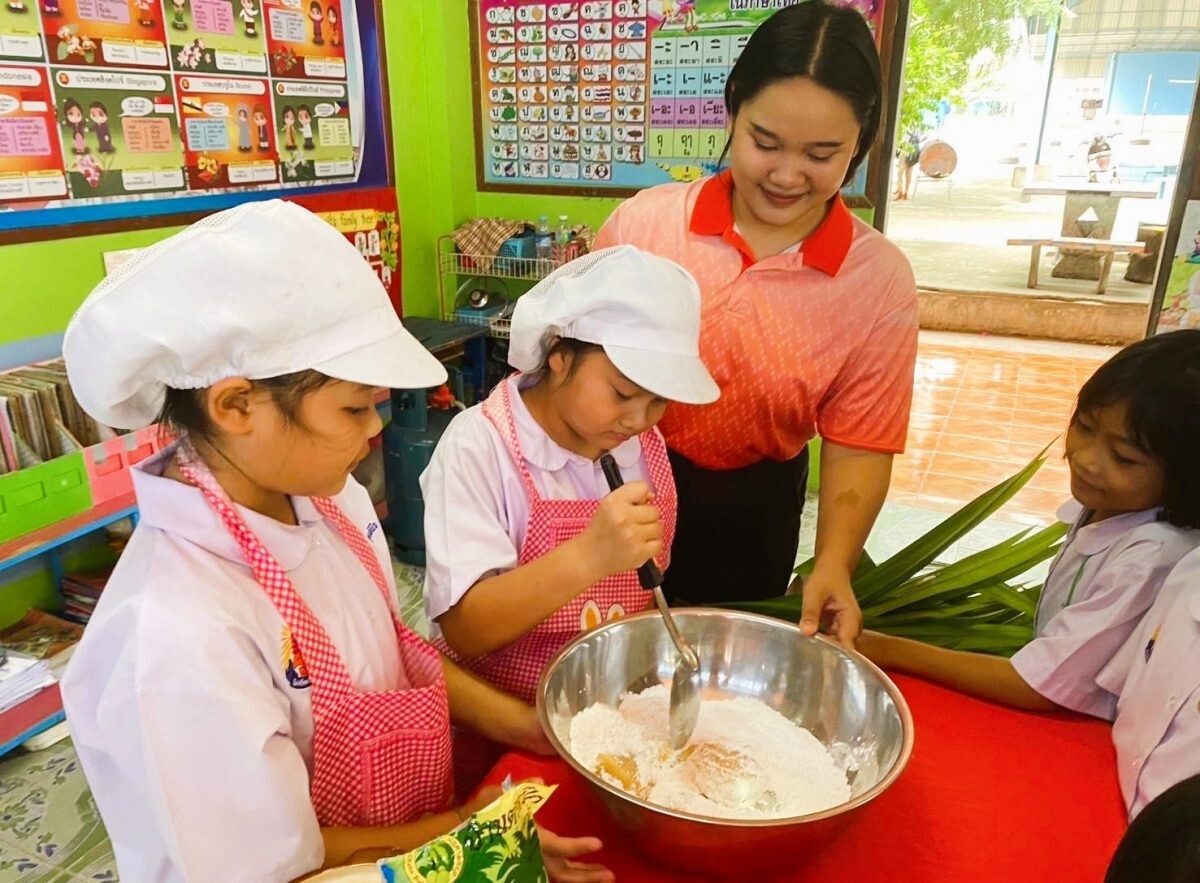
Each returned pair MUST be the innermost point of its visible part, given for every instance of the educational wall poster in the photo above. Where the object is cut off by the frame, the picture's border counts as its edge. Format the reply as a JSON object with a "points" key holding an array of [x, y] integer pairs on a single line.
{"points": [[30, 153], [226, 131], [104, 33], [119, 132], [216, 36], [608, 94], [20, 33], [305, 39], [1181, 304], [313, 120], [106, 106]]}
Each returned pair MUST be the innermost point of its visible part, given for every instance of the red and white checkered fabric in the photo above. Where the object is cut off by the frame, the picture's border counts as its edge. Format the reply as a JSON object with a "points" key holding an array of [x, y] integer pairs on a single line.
{"points": [[378, 758], [517, 667]]}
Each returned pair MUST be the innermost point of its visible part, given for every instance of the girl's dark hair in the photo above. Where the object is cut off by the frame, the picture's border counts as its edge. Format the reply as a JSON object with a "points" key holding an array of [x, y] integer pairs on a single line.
{"points": [[832, 46], [72, 103], [183, 409], [1163, 843], [576, 349], [1158, 381]]}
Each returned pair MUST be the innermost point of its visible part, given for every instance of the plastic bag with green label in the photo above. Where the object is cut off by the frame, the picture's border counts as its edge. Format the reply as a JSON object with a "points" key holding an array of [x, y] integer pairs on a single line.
{"points": [[498, 844]]}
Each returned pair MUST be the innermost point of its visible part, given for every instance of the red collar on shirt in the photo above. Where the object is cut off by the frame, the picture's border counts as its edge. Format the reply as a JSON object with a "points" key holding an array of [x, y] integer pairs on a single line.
{"points": [[825, 248]]}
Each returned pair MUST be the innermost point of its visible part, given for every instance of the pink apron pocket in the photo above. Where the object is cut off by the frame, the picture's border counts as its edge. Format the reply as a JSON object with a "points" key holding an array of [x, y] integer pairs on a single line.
{"points": [[405, 774]]}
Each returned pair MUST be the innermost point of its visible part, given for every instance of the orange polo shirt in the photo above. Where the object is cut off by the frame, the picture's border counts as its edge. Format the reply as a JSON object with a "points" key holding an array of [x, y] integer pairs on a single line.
{"points": [[822, 339]]}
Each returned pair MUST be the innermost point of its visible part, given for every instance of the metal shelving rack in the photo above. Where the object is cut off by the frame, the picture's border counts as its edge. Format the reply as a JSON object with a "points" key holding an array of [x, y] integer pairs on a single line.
{"points": [[454, 266]]}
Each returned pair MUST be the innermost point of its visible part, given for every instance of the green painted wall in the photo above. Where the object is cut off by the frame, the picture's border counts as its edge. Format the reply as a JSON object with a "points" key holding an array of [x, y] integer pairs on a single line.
{"points": [[429, 73], [435, 148]]}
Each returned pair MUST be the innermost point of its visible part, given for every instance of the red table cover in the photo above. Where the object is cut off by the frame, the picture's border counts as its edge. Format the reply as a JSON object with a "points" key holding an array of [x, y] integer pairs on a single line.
{"points": [[990, 795]]}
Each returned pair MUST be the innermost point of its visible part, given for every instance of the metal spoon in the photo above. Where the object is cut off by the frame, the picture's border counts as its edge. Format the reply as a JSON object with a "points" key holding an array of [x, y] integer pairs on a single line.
{"points": [[685, 683]]}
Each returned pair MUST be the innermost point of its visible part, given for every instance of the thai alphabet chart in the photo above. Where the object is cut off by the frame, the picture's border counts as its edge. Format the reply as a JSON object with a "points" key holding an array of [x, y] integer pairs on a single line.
{"points": [[607, 94]]}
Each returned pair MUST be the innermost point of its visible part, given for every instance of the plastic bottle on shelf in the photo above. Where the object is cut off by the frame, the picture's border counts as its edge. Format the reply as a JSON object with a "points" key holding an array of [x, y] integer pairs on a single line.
{"points": [[543, 244], [562, 241]]}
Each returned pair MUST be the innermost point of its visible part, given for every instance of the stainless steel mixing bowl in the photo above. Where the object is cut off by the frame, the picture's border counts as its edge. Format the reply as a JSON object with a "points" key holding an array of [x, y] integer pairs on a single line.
{"points": [[847, 703]]}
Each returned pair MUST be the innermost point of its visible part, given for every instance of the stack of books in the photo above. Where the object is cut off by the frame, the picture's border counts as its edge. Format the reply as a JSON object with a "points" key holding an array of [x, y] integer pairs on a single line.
{"points": [[80, 592], [21, 677], [45, 636], [40, 418], [35, 651]]}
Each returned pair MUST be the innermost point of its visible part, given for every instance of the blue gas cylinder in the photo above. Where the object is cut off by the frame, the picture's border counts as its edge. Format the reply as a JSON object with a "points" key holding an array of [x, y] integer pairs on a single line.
{"points": [[408, 443]]}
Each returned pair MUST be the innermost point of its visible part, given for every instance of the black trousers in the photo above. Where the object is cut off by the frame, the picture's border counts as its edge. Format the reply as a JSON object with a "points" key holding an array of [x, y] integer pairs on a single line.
{"points": [[738, 530]]}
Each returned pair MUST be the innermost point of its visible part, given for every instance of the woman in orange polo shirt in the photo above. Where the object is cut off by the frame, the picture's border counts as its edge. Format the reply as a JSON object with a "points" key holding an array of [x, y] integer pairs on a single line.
{"points": [[809, 323]]}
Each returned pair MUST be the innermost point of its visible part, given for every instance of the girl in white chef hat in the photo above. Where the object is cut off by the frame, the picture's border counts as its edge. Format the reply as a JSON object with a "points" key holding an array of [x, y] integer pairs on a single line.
{"points": [[525, 544], [245, 702]]}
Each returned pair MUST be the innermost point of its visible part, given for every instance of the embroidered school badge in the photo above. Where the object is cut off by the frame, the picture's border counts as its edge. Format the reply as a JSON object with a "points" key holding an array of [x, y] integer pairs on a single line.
{"points": [[294, 668], [1150, 643]]}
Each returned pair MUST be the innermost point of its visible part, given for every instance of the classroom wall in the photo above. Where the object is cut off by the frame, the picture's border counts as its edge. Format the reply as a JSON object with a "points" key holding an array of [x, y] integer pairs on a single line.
{"points": [[435, 138], [429, 74]]}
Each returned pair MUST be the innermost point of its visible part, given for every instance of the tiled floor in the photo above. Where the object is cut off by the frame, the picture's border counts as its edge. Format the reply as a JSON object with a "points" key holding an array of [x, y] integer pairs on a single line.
{"points": [[983, 408]]}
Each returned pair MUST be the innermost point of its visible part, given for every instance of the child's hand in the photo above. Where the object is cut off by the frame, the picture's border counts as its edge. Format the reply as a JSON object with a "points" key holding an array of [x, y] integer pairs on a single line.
{"points": [[560, 852], [625, 533]]}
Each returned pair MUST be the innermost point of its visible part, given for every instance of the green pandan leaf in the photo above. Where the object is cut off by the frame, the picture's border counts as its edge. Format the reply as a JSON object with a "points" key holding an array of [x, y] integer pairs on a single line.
{"points": [[970, 604]]}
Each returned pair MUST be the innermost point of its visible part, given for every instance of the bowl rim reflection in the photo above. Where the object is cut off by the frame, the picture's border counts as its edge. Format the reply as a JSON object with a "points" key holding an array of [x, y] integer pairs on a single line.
{"points": [[885, 781]]}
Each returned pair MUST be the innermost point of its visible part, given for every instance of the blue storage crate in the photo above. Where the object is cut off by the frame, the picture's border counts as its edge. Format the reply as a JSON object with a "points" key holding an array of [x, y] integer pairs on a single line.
{"points": [[517, 255]]}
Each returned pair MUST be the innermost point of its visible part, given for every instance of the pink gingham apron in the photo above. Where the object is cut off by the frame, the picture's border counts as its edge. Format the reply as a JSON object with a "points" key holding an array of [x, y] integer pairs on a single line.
{"points": [[378, 758], [517, 667]]}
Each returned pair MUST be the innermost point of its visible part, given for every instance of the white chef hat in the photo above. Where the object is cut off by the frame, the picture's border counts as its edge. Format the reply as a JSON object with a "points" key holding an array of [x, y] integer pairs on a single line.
{"points": [[258, 291], [643, 309]]}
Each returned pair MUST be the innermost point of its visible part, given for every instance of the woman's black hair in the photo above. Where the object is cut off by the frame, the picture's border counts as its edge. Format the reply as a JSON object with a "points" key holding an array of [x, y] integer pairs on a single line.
{"points": [[832, 46], [1163, 843], [183, 410], [1158, 381]]}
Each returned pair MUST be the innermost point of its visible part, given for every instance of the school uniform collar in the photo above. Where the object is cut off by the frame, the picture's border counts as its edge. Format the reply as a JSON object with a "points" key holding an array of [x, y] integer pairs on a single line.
{"points": [[541, 451], [824, 249], [1093, 539], [180, 509]]}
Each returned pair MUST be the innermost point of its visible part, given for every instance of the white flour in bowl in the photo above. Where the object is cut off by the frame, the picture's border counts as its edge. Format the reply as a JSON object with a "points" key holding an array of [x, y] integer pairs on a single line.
{"points": [[744, 760]]}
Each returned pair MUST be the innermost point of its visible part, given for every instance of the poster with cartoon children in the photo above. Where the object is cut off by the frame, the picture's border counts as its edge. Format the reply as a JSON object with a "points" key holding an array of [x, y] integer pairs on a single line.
{"points": [[104, 33], [20, 32], [1181, 303], [227, 131], [306, 38], [119, 132], [31, 163], [217, 36], [314, 132]]}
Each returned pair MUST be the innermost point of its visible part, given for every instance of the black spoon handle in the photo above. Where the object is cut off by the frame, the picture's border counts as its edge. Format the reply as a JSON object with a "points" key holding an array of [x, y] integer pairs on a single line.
{"points": [[649, 575]]}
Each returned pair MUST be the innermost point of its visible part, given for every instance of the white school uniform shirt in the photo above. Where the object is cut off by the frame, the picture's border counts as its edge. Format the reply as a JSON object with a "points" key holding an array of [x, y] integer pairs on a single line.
{"points": [[193, 732], [1104, 579], [476, 506], [1157, 674]]}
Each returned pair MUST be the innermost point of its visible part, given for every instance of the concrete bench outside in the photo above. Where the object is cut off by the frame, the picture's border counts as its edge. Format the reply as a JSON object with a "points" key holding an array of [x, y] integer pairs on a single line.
{"points": [[1107, 248]]}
